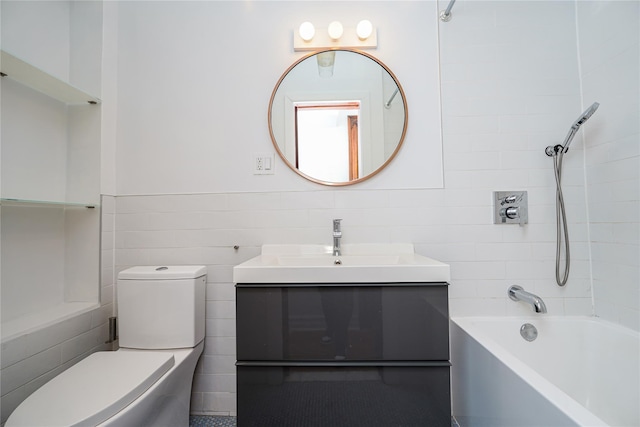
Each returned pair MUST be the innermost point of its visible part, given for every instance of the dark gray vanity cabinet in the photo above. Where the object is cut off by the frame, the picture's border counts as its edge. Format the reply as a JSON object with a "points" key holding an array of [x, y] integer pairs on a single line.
{"points": [[343, 354]]}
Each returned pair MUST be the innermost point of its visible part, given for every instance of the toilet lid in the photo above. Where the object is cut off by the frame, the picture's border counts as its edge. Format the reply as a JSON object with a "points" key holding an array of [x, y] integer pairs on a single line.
{"points": [[92, 390]]}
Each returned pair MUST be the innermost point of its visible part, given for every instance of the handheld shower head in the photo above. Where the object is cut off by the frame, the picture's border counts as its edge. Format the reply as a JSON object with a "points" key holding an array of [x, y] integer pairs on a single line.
{"points": [[557, 153], [588, 113], [579, 122]]}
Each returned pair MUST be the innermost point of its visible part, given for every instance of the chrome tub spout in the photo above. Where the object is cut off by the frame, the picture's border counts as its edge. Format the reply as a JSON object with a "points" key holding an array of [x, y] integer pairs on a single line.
{"points": [[517, 293]]}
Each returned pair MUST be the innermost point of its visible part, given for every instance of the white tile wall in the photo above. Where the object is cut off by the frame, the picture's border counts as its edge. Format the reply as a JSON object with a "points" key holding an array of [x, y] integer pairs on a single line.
{"points": [[31, 360], [485, 258], [609, 53], [518, 93]]}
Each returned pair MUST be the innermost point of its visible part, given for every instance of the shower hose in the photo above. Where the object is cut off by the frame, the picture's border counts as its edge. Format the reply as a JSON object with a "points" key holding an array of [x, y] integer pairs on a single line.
{"points": [[561, 223]]}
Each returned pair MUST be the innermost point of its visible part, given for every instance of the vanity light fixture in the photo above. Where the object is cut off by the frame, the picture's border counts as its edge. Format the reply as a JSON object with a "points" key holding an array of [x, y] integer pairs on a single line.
{"points": [[363, 36], [307, 31], [335, 30], [364, 29]]}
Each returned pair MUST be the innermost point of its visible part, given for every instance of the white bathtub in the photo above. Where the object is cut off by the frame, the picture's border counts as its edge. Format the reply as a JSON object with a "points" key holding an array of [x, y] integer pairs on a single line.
{"points": [[580, 371]]}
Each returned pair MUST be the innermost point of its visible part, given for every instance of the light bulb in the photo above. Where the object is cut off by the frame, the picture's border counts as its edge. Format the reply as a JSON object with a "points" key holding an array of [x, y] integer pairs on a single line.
{"points": [[364, 29], [335, 30], [306, 31]]}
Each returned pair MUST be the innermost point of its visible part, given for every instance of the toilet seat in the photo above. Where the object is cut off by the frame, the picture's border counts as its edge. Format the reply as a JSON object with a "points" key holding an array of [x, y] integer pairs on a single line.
{"points": [[93, 390]]}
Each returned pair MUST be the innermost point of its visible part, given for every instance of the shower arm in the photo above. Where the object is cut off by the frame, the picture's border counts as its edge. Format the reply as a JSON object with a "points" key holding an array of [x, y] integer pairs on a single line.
{"points": [[387, 104]]}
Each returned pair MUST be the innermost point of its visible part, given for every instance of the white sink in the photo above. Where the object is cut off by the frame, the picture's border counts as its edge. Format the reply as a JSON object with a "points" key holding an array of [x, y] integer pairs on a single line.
{"points": [[329, 260], [360, 263]]}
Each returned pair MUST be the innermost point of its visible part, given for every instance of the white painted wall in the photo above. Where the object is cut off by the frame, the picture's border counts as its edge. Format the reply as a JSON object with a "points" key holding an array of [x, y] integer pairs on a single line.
{"points": [[195, 79], [26, 159], [38, 32]]}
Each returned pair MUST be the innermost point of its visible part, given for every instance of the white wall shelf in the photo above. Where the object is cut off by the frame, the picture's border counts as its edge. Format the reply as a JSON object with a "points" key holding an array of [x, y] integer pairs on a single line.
{"points": [[33, 77], [49, 200], [46, 203]]}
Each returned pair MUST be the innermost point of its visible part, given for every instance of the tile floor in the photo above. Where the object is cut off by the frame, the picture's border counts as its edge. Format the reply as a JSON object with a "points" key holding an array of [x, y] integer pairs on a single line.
{"points": [[212, 421], [220, 421]]}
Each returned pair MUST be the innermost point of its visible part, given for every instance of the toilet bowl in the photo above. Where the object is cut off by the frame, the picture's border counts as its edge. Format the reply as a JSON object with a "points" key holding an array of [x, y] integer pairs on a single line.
{"points": [[147, 382]]}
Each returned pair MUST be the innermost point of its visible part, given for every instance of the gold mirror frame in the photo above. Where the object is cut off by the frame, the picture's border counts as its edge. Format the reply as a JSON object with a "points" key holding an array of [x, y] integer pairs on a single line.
{"points": [[357, 180]]}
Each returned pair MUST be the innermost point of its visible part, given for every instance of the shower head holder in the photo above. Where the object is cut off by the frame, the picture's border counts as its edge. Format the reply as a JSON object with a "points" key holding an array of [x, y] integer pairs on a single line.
{"points": [[553, 150]]}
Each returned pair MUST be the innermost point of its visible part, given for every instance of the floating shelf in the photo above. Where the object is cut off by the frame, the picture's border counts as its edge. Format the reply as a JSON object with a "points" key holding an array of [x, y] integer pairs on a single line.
{"points": [[46, 203], [35, 78]]}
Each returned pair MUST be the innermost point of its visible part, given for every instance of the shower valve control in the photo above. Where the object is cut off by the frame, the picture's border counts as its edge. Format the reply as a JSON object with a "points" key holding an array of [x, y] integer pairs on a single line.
{"points": [[510, 207], [510, 212], [509, 199]]}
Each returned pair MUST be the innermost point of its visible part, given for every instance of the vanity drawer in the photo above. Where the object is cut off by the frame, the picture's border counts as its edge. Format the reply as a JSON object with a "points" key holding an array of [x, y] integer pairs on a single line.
{"points": [[329, 323], [343, 396]]}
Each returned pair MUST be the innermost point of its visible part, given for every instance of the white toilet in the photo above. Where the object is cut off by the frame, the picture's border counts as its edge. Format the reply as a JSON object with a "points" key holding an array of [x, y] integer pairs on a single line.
{"points": [[147, 382]]}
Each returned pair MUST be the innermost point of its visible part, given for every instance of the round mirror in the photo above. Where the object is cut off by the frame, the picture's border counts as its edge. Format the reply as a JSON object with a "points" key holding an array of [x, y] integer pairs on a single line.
{"points": [[337, 117]]}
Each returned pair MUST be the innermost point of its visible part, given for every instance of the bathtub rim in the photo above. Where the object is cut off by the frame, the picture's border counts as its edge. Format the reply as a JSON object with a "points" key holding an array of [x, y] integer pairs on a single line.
{"points": [[34, 322], [556, 397]]}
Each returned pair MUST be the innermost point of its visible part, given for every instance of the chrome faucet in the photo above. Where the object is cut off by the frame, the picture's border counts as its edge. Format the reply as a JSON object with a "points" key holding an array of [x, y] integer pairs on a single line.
{"points": [[337, 235], [517, 293]]}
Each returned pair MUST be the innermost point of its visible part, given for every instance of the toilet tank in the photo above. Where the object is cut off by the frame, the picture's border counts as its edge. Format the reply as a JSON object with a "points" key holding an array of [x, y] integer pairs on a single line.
{"points": [[161, 307]]}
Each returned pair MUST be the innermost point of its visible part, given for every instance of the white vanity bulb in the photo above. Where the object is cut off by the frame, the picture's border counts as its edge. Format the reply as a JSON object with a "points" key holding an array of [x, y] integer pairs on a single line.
{"points": [[364, 29], [306, 31], [335, 30]]}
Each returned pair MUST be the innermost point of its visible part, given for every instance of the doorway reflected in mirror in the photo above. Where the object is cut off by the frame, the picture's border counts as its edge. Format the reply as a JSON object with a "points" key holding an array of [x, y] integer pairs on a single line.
{"points": [[327, 140]]}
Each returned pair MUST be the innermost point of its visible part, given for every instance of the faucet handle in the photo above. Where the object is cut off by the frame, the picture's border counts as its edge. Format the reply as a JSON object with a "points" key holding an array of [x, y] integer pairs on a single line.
{"points": [[515, 212], [336, 225]]}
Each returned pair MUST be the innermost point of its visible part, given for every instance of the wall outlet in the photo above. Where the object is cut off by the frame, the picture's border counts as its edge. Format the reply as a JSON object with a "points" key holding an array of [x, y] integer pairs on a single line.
{"points": [[263, 164]]}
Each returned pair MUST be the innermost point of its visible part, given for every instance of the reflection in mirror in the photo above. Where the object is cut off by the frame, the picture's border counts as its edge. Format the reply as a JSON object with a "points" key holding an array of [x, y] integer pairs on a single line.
{"points": [[327, 140], [337, 117]]}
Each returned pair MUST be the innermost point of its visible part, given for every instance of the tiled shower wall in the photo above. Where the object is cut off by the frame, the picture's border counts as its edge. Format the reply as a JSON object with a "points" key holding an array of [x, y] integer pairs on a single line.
{"points": [[510, 88], [610, 66]]}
